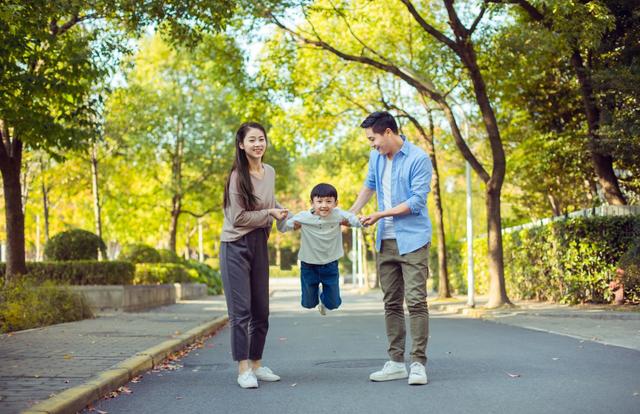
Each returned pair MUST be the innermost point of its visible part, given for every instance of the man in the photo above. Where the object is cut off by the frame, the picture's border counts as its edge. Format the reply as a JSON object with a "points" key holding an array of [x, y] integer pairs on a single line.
{"points": [[400, 175]]}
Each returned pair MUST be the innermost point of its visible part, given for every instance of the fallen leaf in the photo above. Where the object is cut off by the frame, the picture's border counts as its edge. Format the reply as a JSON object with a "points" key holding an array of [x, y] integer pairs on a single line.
{"points": [[294, 384], [282, 338], [635, 394], [513, 375], [179, 397], [555, 359], [137, 379], [67, 356], [102, 412], [125, 390], [66, 381]]}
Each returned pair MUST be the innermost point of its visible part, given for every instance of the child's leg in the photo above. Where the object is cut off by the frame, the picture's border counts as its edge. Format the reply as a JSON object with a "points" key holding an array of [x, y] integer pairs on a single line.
{"points": [[309, 281], [330, 278]]}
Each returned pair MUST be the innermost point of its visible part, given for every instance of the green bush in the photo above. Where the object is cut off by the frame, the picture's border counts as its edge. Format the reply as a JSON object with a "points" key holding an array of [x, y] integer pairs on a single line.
{"points": [[81, 272], [569, 261], [139, 253], [74, 245], [27, 303], [168, 256], [276, 271], [630, 263], [161, 273], [206, 275]]}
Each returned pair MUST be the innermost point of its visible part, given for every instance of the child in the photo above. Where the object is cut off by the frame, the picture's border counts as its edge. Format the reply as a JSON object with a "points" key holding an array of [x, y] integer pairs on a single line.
{"points": [[321, 247]]}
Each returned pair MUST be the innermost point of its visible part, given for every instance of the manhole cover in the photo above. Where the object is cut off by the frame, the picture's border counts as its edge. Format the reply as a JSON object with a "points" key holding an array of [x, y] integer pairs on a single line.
{"points": [[352, 363]]}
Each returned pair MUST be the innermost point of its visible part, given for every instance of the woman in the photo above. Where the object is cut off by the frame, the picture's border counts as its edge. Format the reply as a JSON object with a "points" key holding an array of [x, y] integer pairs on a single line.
{"points": [[249, 210]]}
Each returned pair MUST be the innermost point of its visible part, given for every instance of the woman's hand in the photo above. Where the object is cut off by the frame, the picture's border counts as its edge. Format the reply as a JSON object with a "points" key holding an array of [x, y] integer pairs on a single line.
{"points": [[278, 213]]}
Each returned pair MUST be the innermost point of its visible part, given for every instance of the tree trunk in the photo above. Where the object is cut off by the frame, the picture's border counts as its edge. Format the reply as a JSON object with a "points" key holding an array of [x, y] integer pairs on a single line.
{"points": [[176, 207], [497, 289], [45, 203], [176, 187], [10, 165], [602, 162], [96, 192], [444, 290]]}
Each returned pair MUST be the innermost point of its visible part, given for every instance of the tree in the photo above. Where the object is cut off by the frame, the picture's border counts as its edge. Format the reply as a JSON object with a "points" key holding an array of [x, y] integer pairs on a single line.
{"points": [[185, 103], [389, 57], [48, 62], [607, 39]]}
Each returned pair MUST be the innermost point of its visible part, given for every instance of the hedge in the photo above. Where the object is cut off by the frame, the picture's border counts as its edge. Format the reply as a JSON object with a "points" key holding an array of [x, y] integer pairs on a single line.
{"points": [[569, 261], [74, 244], [27, 303], [139, 253], [160, 273], [81, 272]]}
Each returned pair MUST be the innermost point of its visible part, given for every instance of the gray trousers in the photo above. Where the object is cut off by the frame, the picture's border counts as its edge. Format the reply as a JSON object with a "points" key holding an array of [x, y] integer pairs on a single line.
{"points": [[244, 265], [403, 278]]}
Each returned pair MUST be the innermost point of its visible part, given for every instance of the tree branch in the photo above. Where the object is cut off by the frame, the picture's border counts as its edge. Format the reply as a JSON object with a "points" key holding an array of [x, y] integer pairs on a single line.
{"points": [[441, 37], [475, 23]]}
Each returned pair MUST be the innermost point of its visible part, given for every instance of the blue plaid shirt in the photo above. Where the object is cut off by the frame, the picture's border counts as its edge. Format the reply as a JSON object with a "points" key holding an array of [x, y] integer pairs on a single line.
{"points": [[410, 183]]}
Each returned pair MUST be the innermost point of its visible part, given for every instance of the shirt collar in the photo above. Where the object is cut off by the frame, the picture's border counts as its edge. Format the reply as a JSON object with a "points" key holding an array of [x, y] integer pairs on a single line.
{"points": [[405, 145]]}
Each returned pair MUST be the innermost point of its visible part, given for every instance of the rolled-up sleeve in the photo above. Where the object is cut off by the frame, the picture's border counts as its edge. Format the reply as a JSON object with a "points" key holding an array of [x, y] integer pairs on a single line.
{"points": [[370, 181], [419, 184]]}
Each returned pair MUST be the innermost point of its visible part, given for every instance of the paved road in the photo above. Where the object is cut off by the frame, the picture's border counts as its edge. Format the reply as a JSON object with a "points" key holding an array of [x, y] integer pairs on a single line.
{"points": [[475, 366]]}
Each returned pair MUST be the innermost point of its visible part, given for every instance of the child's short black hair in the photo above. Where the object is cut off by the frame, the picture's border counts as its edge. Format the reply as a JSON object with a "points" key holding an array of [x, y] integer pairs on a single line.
{"points": [[324, 190]]}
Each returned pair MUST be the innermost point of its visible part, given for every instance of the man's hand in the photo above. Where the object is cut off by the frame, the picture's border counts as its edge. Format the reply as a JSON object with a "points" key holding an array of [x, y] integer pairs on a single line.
{"points": [[371, 219], [296, 225]]}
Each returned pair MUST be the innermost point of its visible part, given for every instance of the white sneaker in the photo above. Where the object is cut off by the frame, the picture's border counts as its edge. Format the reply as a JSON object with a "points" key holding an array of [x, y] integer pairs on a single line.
{"points": [[265, 374], [322, 309], [391, 371], [418, 374], [248, 379]]}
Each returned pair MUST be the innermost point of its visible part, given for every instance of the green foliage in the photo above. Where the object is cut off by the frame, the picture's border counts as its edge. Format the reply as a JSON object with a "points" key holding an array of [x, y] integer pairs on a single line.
{"points": [[569, 261], [206, 275], [168, 256], [161, 273], [28, 303], [81, 272], [140, 253], [276, 271], [74, 245], [630, 264]]}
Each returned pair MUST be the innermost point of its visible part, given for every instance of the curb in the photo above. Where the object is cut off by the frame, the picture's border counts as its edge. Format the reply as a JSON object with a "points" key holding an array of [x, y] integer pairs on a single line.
{"points": [[75, 399]]}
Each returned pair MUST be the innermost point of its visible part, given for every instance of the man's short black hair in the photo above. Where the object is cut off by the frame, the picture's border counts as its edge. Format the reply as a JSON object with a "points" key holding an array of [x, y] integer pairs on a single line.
{"points": [[324, 190], [380, 121]]}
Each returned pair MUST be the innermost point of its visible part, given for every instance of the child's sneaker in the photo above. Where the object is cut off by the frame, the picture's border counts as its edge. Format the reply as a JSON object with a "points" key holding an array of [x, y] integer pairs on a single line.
{"points": [[391, 371], [322, 309]]}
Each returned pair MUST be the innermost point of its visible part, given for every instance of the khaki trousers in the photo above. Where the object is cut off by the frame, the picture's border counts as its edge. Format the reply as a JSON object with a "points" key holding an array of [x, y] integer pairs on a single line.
{"points": [[404, 278]]}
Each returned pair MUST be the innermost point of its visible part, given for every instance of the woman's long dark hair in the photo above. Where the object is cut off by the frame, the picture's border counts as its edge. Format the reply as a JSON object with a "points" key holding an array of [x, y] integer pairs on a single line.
{"points": [[241, 166]]}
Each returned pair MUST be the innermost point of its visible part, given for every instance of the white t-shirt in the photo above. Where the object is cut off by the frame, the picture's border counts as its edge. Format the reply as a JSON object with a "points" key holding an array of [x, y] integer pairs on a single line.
{"points": [[388, 230]]}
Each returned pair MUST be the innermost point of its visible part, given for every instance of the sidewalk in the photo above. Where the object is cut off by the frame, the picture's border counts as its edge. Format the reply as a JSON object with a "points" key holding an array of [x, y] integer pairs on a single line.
{"points": [[594, 323], [81, 361], [92, 357]]}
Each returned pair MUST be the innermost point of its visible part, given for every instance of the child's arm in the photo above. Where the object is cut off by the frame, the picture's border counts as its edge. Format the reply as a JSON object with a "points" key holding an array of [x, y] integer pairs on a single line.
{"points": [[290, 223], [351, 218]]}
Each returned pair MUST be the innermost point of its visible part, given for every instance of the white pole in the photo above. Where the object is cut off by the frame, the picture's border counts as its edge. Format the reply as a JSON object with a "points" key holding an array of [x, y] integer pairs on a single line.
{"points": [[470, 276], [200, 242], [37, 238], [360, 259], [354, 256]]}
